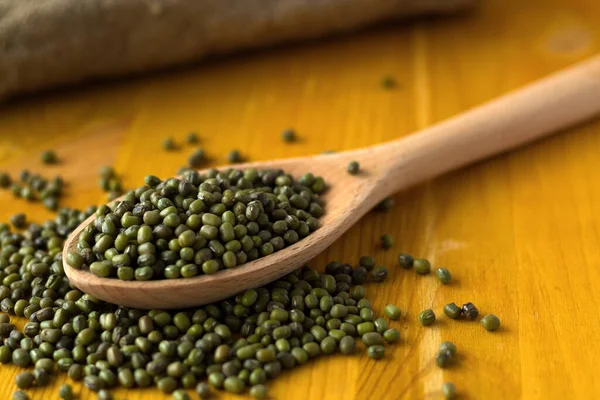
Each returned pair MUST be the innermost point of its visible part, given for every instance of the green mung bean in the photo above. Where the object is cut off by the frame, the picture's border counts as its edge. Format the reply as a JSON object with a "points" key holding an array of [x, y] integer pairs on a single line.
{"points": [[234, 384], [259, 391], [104, 394], [41, 377], [422, 266], [167, 384], [328, 345], [20, 395], [405, 260], [65, 392], [203, 390], [452, 311], [443, 275], [367, 261], [378, 274], [388, 82], [180, 394], [191, 138], [45, 364], [448, 390], [234, 156], [76, 372], [288, 136], [386, 204], [169, 144], [94, 383], [386, 241], [347, 345], [372, 339], [443, 358], [381, 325], [49, 157], [365, 327], [392, 312], [448, 346], [391, 335], [490, 322], [197, 158], [18, 220], [376, 352], [24, 380], [21, 358], [427, 317], [353, 167], [5, 180]]}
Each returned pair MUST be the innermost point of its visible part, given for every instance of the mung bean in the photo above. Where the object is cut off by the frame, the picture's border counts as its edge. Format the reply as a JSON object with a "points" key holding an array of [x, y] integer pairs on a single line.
{"points": [[427, 317], [490, 322]]}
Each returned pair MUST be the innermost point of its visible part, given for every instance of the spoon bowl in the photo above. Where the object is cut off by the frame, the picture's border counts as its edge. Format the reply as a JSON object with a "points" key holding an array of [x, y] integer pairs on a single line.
{"points": [[549, 105], [343, 193]]}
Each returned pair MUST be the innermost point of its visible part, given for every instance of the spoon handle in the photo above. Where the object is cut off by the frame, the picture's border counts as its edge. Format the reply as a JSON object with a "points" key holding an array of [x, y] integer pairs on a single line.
{"points": [[551, 104]]}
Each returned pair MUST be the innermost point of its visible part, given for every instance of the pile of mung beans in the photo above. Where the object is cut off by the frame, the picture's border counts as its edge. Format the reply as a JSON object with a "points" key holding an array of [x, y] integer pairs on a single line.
{"points": [[235, 344], [199, 224]]}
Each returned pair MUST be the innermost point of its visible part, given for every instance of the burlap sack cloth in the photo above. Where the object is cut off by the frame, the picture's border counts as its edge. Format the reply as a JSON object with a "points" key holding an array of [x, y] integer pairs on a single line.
{"points": [[46, 43]]}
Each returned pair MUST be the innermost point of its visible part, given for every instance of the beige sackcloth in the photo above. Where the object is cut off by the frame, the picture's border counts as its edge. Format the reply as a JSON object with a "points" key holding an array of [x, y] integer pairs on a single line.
{"points": [[48, 43]]}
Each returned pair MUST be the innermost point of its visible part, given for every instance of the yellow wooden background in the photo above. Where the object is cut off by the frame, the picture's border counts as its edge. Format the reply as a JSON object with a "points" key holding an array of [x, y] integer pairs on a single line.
{"points": [[519, 232]]}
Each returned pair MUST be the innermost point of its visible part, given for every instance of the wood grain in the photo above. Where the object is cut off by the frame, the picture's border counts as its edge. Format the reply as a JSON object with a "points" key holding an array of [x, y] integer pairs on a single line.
{"points": [[569, 97], [519, 232]]}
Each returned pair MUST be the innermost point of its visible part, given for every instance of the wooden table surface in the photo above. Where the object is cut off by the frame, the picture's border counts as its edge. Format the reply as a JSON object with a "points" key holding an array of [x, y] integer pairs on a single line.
{"points": [[519, 232]]}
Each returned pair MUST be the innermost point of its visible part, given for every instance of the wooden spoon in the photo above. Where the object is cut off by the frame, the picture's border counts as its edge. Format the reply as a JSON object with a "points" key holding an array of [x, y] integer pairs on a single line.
{"points": [[554, 103]]}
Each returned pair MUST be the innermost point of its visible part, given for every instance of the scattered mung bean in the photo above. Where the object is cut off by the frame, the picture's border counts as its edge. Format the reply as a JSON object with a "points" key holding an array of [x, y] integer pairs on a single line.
{"points": [[386, 204], [443, 358], [392, 312], [376, 352], [288, 136], [20, 395], [191, 138], [234, 156], [386, 241], [469, 311], [388, 82], [422, 266], [18, 220], [427, 317], [448, 390], [405, 260], [448, 346], [49, 157], [443, 275], [169, 144], [197, 158], [490, 322], [452, 311], [353, 167]]}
